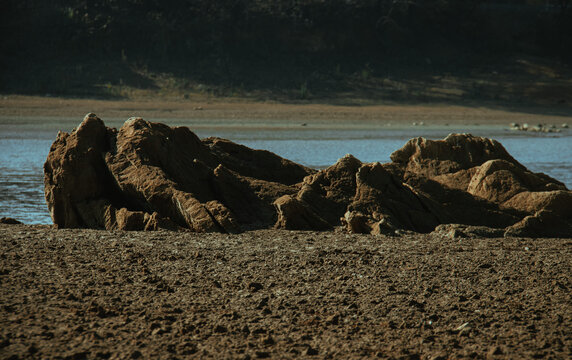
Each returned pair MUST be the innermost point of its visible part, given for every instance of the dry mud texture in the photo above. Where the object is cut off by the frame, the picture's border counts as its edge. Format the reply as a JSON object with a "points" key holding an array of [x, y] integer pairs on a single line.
{"points": [[281, 294]]}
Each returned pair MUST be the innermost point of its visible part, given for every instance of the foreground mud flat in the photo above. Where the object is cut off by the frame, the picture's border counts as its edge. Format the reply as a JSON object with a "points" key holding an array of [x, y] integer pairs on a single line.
{"points": [[79, 293]]}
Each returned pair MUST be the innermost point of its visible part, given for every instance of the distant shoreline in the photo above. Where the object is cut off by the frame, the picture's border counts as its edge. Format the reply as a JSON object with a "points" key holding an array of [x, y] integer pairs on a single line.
{"points": [[204, 108]]}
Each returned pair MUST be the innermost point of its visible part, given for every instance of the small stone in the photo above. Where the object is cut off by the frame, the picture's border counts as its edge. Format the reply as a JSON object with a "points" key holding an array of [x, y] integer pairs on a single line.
{"points": [[416, 304], [268, 340], [464, 329], [9, 221], [310, 351], [263, 303], [439, 357], [32, 349], [333, 319], [463, 326], [255, 286], [564, 126], [495, 350], [219, 329]]}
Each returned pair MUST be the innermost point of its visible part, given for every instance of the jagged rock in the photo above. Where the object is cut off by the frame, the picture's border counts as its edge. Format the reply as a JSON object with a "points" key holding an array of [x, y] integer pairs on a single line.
{"points": [[456, 152], [460, 207], [550, 214], [329, 192], [499, 180], [543, 223], [386, 200], [257, 164], [150, 176], [479, 183], [378, 224], [366, 198], [75, 173], [294, 214], [559, 201], [459, 180]]}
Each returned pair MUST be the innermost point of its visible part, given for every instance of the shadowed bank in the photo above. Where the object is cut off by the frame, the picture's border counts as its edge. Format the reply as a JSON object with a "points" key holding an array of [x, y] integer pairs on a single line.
{"points": [[340, 52]]}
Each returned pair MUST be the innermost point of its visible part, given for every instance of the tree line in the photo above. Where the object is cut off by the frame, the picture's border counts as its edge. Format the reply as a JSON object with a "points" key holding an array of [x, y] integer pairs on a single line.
{"points": [[227, 33]]}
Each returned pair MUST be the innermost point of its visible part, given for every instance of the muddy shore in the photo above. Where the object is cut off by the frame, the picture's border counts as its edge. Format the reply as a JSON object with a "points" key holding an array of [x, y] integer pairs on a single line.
{"points": [[281, 294]]}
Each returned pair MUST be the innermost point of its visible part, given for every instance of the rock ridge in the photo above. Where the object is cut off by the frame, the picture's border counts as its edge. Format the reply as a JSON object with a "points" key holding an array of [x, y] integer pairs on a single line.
{"points": [[149, 176]]}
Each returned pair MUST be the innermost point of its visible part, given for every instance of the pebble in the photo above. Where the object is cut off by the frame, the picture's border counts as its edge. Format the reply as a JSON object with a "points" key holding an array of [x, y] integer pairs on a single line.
{"points": [[310, 351], [255, 286], [219, 329], [536, 128], [495, 350], [463, 326], [268, 340], [262, 354], [333, 319]]}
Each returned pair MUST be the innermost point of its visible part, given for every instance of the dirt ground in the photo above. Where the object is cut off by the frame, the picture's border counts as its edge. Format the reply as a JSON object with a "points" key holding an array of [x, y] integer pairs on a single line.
{"points": [[204, 108], [78, 294]]}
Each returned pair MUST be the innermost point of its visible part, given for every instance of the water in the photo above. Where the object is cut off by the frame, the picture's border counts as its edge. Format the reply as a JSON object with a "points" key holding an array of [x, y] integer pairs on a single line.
{"points": [[25, 143]]}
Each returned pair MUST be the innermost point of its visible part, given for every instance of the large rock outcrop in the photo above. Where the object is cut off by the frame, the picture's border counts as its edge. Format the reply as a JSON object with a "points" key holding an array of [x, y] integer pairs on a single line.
{"points": [[147, 176], [480, 183]]}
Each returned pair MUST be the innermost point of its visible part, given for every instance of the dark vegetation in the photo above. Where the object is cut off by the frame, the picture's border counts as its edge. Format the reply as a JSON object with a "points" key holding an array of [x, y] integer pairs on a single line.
{"points": [[287, 49]]}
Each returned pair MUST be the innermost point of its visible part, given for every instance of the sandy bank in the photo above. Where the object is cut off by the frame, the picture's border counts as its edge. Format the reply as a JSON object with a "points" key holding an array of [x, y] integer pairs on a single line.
{"points": [[215, 109], [281, 294]]}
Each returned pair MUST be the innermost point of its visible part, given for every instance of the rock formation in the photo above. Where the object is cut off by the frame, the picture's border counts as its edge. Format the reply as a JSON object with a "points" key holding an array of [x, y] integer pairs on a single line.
{"points": [[147, 176]]}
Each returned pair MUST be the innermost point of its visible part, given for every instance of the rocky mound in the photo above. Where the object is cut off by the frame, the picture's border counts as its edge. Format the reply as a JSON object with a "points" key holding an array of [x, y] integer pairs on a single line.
{"points": [[147, 175]]}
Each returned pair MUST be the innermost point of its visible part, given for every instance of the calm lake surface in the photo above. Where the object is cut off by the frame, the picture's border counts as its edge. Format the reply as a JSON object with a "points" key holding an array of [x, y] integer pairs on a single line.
{"points": [[25, 143]]}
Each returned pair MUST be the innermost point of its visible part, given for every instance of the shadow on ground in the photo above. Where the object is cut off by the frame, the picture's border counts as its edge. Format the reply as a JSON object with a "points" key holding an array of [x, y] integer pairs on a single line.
{"points": [[519, 83]]}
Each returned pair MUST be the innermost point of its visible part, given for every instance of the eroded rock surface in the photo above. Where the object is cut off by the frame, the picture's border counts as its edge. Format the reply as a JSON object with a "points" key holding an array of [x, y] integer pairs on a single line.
{"points": [[147, 176]]}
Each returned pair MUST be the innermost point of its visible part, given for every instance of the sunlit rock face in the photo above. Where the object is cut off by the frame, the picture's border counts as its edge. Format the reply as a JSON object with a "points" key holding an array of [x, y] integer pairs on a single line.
{"points": [[148, 176]]}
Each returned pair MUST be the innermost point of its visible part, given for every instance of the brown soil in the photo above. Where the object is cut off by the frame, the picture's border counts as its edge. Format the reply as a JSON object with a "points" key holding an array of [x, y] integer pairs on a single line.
{"points": [[279, 294], [203, 108]]}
